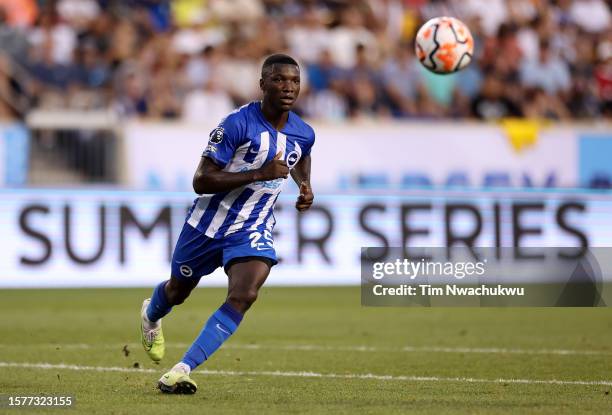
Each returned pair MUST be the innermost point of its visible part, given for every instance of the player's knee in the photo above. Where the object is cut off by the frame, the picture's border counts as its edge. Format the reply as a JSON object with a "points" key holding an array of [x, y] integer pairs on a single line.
{"points": [[242, 299]]}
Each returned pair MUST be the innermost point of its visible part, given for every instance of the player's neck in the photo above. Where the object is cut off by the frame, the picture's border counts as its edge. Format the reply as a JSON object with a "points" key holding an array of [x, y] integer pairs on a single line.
{"points": [[275, 118]]}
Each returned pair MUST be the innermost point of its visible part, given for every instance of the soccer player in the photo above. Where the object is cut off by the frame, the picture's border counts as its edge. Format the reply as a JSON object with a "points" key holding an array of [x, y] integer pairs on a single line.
{"points": [[248, 158]]}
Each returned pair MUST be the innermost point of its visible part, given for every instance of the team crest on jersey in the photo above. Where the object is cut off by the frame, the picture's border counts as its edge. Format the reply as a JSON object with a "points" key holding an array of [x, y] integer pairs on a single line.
{"points": [[216, 136], [292, 159]]}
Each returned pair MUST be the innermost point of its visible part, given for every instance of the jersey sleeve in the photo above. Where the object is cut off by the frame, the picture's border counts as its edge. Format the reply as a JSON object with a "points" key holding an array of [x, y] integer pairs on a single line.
{"points": [[224, 140], [309, 143]]}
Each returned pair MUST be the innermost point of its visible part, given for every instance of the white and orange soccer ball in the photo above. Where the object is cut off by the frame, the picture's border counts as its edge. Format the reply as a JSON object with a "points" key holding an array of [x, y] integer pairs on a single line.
{"points": [[444, 45]]}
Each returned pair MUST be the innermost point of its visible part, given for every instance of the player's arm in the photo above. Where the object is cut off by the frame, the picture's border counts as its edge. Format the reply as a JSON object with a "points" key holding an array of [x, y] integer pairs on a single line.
{"points": [[301, 175], [210, 177]]}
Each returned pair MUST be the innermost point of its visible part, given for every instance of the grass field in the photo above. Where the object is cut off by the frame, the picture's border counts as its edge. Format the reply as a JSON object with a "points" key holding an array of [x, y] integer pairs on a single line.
{"points": [[309, 350]]}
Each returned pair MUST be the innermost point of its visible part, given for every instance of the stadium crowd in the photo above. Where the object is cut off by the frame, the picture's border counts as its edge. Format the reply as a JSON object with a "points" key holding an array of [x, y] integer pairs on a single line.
{"points": [[196, 59]]}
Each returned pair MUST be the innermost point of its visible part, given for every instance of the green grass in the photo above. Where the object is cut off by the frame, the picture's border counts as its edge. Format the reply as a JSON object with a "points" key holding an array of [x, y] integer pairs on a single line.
{"points": [[54, 326]]}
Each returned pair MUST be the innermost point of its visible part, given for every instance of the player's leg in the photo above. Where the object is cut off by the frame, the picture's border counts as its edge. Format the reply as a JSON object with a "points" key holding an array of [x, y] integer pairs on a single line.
{"points": [[194, 255], [168, 294], [165, 296], [245, 279], [246, 276]]}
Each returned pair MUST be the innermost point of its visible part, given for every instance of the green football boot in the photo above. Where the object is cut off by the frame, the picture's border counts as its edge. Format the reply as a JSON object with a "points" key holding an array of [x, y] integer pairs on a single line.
{"points": [[152, 339], [177, 382]]}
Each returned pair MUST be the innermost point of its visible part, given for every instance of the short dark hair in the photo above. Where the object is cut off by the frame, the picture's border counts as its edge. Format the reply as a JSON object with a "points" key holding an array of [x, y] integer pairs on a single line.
{"points": [[277, 59]]}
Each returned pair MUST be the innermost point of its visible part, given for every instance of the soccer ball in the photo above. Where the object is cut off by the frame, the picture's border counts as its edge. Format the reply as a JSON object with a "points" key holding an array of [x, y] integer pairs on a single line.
{"points": [[444, 45]]}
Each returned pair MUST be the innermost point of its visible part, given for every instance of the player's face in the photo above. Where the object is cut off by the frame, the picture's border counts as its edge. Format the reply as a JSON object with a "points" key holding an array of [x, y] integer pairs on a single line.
{"points": [[282, 86]]}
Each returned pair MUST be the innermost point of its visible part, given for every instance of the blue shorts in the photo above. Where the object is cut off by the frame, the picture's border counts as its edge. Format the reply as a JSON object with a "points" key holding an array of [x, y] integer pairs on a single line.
{"points": [[197, 255]]}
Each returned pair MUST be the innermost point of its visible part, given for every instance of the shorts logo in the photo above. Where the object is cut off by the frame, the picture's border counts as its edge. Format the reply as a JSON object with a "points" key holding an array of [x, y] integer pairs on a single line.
{"points": [[292, 159], [186, 271], [216, 136]]}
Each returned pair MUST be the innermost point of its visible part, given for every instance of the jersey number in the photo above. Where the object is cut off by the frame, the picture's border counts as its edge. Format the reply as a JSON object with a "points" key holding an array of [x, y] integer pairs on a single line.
{"points": [[267, 243]]}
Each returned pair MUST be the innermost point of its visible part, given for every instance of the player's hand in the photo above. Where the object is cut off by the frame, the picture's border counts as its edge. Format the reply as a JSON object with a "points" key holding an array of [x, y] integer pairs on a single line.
{"points": [[275, 169], [304, 200]]}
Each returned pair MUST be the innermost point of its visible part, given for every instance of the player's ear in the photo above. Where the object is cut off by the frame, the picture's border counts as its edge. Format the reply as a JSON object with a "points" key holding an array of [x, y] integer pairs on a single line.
{"points": [[261, 83]]}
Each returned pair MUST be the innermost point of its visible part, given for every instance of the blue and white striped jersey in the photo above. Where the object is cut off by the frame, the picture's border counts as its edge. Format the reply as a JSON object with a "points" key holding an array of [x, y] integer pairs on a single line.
{"points": [[243, 141]]}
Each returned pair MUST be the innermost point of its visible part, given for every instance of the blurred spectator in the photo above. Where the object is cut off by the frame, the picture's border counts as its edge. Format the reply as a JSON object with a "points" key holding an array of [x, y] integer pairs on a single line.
{"points": [[130, 92], [327, 105], [437, 8], [561, 10], [469, 82], [402, 81], [603, 74], [530, 36], [397, 22], [12, 39], [324, 97], [592, 16], [565, 43], [441, 89], [156, 12], [323, 73], [503, 52], [307, 36], [195, 37], [186, 11], [99, 33], [123, 42], [13, 96], [209, 103], [165, 99], [78, 13], [547, 72], [59, 38], [236, 10], [491, 104], [344, 39], [491, 13], [91, 71], [240, 72], [199, 68], [521, 12], [583, 98], [47, 71], [20, 13], [539, 104], [363, 86]]}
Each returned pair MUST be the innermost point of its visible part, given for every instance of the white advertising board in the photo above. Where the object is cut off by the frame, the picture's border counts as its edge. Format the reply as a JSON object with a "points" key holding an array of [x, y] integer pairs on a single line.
{"points": [[75, 238], [164, 156]]}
